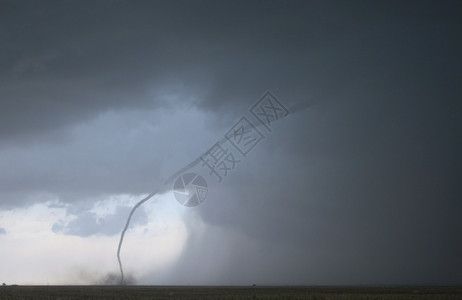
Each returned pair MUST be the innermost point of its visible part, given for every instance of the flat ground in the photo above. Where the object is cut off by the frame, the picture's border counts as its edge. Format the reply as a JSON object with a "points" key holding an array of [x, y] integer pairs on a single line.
{"points": [[216, 292]]}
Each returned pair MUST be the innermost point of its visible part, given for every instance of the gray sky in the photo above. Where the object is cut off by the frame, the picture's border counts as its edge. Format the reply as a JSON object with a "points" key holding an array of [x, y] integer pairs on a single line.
{"points": [[101, 101]]}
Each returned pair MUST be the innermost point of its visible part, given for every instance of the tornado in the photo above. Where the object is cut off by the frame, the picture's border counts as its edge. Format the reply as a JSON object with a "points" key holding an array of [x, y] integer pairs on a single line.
{"points": [[125, 229], [298, 107]]}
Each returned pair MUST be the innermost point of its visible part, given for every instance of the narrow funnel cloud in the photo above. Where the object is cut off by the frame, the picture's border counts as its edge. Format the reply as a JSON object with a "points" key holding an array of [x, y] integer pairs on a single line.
{"points": [[122, 281], [298, 107]]}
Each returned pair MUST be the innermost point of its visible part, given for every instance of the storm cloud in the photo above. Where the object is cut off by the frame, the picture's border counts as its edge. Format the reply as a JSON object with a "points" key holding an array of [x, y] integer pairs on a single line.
{"points": [[361, 186]]}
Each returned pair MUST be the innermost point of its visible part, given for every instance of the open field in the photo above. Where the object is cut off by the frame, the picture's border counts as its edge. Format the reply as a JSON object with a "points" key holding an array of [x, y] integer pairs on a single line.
{"points": [[215, 292]]}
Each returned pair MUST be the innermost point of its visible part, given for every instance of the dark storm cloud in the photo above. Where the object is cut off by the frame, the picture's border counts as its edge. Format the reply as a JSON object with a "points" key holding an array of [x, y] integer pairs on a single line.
{"points": [[362, 187], [64, 63], [128, 152], [374, 169]]}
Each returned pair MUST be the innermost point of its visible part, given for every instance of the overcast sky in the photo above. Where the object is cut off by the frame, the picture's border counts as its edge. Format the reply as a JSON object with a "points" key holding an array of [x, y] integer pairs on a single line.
{"points": [[102, 101]]}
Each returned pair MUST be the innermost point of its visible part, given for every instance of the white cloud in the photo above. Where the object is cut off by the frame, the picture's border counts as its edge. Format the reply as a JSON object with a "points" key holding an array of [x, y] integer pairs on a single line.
{"points": [[33, 254]]}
